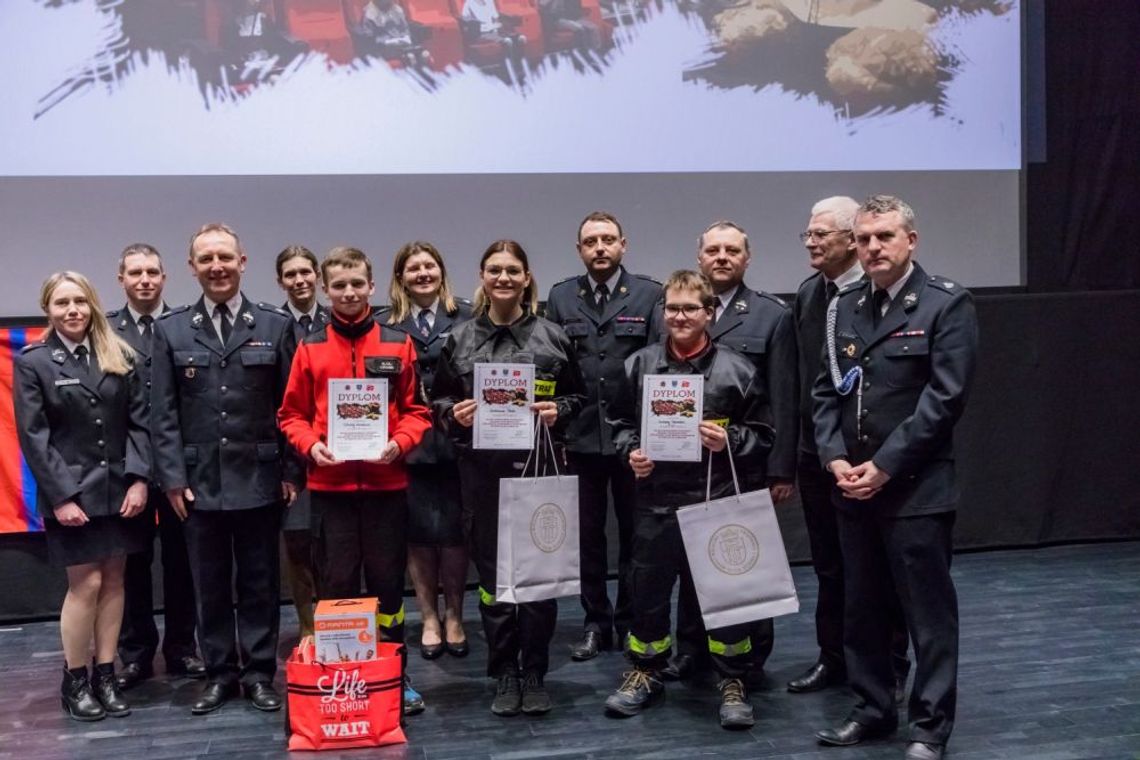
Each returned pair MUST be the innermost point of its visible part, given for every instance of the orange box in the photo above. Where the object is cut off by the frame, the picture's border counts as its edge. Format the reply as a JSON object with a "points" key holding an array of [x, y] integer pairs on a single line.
{"points": [[345, 630]]}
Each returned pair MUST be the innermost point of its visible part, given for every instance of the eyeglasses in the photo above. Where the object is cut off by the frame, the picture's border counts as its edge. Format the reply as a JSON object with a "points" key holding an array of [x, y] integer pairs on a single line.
{"points": [[688, 309], [818, 235], [512, 272]]}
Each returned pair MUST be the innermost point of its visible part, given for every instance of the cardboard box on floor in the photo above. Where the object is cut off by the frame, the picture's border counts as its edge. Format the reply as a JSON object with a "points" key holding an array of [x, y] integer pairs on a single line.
{"points": [[346, 630]]}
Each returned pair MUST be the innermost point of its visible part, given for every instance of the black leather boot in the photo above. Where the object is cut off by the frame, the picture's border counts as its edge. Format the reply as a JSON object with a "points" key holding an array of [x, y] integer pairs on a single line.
{"points": [[107, 691], [78, 700]]}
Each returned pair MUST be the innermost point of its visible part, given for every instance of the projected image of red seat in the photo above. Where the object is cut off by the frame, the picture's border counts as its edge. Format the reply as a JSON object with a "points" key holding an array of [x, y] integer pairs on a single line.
{"points": [[492, 34], [320, 24], [443, 39], [574, 24], [381, 29]]}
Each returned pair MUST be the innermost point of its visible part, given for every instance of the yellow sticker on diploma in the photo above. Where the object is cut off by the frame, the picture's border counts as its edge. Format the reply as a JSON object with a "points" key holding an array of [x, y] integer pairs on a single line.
{"points": [[544, 387]]}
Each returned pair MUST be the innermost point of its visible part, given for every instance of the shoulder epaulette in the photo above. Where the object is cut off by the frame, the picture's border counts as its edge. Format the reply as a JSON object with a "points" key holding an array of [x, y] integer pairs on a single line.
{"points": [[948, 286], [318, 335], [113, 314], [807, 279], [273, 309], [173, 311], [464, 301], [564, 280], [772, 297], [390, 334], [852, 287], [33, 346], [647, 278]]}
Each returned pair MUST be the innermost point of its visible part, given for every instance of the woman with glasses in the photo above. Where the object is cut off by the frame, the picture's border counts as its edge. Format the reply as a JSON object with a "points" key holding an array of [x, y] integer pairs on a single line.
{"points": [[505, 329], [81, 420], [422, 305]]}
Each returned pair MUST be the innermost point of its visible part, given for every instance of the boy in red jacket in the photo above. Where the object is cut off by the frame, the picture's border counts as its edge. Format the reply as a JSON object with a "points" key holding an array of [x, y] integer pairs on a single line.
{"points": [[360, 506]]}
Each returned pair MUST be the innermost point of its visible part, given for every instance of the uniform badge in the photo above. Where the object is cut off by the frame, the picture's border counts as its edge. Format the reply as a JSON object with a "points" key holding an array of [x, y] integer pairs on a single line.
{"points": [[740, 306], [123, 323], [67, 381], [623, 289], [910, 299], [948, 284], [190, 372], [850, 350], [58, 355], [581, 293], [247, 318], [862, 301], [196, 320]]}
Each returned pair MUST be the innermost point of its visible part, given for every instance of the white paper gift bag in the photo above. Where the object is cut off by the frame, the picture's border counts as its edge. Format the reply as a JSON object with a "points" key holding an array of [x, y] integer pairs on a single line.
{"points": [[538, 553], [737, 558]]}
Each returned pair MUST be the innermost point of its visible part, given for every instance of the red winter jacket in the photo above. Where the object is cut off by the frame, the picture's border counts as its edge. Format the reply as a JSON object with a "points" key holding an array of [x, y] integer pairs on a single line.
{"points": [[328, 355]]}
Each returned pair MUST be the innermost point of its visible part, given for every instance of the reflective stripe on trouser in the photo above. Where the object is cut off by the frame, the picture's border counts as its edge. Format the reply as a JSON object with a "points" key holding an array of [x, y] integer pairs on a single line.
{"points": [[730, 650], [650, 648], [518, 635], [391, 626]]}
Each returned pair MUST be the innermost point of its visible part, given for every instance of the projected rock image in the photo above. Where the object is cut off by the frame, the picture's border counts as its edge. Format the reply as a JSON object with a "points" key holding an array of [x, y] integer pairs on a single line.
{"points": [[861, 55]]}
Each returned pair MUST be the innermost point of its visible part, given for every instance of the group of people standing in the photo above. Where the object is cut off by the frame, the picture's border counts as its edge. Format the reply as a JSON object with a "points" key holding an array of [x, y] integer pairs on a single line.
{"points": [[215, 415]]}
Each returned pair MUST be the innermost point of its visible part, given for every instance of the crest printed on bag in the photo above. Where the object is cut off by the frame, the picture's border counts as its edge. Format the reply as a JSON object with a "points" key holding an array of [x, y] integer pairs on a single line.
{"points": [[548, 527], [733, 549]]}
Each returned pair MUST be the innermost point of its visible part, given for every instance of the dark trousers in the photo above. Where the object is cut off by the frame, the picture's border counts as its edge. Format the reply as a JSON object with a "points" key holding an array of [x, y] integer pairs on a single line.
{"points": [[138, 636], [815, 486], [600, 476], [658, 561], [237, 549], [364, 530], [907, 558], [518, 635]]}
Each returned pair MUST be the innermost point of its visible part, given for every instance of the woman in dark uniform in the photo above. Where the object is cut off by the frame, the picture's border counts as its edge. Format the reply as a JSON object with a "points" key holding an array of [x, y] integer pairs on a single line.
{"points": [[422, 305], [80, 411], [505, 329]]}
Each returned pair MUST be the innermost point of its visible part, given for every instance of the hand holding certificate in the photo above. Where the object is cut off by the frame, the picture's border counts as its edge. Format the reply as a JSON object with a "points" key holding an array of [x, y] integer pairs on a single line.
{"points": [[504, 394], [358, 419], [671, 408]]}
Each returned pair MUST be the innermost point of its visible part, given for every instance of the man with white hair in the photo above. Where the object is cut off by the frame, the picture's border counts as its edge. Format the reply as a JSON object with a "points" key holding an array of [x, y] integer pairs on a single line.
{"points": [[831, 253]]}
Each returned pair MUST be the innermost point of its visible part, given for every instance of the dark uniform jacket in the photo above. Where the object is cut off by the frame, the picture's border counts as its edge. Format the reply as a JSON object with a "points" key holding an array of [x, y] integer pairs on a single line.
{"points": [[918, 366], [530, 340], [759, 326], [320, 319], [82, 432], [603, 342], [808, 314], [126, 328], [732, 391], [214, 409], [435, 446]]}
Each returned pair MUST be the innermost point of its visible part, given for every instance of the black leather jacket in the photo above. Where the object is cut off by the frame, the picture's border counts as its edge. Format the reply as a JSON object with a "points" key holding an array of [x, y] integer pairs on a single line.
{"points": [[530, 340], [731, 391]]}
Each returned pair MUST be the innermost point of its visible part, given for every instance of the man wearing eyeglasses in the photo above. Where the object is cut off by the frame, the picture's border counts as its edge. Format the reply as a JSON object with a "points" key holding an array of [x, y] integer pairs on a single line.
{"points": [[831, 253], [607, 312], [901, 352], [759, 326]]}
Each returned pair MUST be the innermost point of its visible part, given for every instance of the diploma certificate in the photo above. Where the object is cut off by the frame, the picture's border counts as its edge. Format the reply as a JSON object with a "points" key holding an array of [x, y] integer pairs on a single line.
{"points": [[503, 417], [671, 407], [358, 418]]}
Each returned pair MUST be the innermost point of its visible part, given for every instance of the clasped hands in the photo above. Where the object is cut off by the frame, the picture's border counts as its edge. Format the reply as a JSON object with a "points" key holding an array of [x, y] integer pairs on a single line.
{"points": [[859, 482]]}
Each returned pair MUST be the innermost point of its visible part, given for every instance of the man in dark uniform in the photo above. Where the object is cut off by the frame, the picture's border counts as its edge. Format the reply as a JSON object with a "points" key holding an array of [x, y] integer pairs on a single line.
{"points": [[901, 356], [607, 312], [219, 372], [297, 275], [142, 276], [759, 326], [831, 251]]}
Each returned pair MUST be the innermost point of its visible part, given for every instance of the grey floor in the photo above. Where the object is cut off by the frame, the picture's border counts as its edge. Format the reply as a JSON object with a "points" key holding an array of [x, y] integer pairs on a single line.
{"points": [[1050, 670]]}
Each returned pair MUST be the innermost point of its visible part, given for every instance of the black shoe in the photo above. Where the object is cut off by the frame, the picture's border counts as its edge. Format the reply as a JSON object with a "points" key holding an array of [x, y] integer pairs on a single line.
{"points": [[588, 647], [77, 698], [735, 710], [187, 667], [681, 667], [132, 674], [639, 690], [263, 696], [432, 651], [924, 751], [212, 697], [815, 678], [457, 648], [508, 696], [535, 699], [106, 689], [851, 733]]}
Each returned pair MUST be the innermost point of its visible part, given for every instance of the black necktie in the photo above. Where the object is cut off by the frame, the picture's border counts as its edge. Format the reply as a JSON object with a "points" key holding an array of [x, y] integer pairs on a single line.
{"points": [[81, 357], [147, 323], [224, 321], [422, 323], [306, 323], [603, 296], [829, 292], [880, 298]]}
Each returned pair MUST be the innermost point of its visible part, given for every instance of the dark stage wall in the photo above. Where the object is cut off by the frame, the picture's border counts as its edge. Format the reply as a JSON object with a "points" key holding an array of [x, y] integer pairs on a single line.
{"points": [[1043, 447]]}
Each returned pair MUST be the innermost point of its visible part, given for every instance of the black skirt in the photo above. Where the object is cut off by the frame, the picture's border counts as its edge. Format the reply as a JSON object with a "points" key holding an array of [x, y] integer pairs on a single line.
{"points": [[101, 538], [435, 513]]}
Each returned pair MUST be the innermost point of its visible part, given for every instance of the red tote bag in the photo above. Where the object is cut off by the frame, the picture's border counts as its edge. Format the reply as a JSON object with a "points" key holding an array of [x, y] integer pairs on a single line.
{"points": [[339, 705]]}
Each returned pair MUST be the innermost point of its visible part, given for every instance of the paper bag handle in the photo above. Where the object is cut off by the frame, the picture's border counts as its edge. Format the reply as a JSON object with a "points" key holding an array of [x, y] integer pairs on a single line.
{"points": [[732, 466], [541, 432]]}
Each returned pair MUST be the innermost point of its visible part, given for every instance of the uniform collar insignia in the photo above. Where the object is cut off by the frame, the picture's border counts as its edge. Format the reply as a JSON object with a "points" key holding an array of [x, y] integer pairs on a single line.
{"points": [[861, 301], [196, 320], [910, 299], [948, 284], [623, 289], [247, 318], [58, 355], [123, 323], [741, 305]]}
